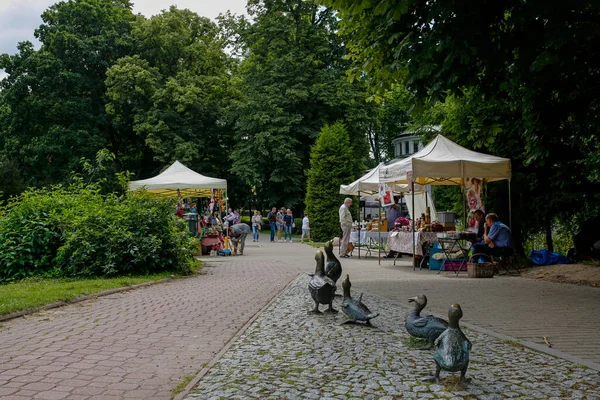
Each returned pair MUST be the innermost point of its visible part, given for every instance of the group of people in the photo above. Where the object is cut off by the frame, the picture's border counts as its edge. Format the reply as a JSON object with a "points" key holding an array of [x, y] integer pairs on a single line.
{"points": [[282, 223], [493, 237]]}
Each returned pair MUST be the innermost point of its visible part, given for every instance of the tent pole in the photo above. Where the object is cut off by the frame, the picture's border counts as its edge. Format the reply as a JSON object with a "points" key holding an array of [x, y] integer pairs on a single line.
{"points": [[379, 230], [509, 207], [359, 232], [412, 187]]}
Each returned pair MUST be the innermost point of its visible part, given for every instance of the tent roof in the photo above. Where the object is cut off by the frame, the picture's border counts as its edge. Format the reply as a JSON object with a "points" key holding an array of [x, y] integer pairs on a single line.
{"points": [[443, 162], [179, 177], [369, 184]]}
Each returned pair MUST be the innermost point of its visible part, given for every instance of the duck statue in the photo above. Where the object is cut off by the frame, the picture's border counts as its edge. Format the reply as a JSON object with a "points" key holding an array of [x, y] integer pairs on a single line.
{"points": [[355, 309], [333, 267], [427, 327], [321, 287], [452, 347]]}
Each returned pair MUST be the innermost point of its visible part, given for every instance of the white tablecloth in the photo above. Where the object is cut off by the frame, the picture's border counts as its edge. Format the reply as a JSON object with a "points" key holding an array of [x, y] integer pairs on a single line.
{"points": [[364, 235]]}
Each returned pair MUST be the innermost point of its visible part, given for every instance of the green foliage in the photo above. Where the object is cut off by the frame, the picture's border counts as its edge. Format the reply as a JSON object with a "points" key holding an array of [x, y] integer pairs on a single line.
{"points": [[53, 99], [331, 165], [292, 82], [76, 231], [36, 292], [515, 79]]}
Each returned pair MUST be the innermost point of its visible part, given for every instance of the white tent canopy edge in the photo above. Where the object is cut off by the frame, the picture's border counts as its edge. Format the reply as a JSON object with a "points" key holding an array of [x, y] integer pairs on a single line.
{"points": [[179, 179]]}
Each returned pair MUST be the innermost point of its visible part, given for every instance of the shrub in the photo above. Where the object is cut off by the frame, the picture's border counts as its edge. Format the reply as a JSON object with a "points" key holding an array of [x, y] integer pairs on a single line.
{"points": [[77, 231], [332, 164]]}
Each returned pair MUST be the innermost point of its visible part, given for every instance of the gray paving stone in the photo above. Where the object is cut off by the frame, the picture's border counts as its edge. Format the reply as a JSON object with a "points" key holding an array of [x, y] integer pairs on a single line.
{"points": [[362, 362]]}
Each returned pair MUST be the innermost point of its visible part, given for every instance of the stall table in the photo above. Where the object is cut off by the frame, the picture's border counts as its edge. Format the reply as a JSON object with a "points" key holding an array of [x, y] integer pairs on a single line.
{"points": [[448, 244], [209, 241], [402, 242], [369, 241]]}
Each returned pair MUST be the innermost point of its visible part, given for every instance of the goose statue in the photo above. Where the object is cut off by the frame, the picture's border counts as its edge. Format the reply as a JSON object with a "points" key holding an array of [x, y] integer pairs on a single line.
{"points": [[452, 347], [353, 308], [321, 287], [426, 327]]}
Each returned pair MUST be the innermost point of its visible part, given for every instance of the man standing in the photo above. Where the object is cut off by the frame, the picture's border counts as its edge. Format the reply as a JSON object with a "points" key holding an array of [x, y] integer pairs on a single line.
{"points": [[391, 215], [272, 217], [346, 225], [238, 233]]}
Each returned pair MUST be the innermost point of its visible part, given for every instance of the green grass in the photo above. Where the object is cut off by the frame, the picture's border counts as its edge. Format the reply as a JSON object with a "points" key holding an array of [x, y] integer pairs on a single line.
{"points": [[181, 386], [36, 292]]}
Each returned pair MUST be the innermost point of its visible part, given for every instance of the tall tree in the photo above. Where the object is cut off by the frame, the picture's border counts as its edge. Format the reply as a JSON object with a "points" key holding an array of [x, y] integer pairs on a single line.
{"points": [[54, 98], [331, 164], [523, 75], [171, 97], [293, 82]]}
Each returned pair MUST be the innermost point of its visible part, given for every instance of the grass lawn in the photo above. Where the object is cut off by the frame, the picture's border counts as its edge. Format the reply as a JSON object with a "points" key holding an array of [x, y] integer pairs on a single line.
{"points": [[36, 292]]}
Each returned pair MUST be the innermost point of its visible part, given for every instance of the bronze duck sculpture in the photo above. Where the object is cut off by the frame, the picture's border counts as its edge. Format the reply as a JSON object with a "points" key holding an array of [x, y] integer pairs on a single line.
{"points": [[353, 308], [321, 287], [333, 267], [452, 347], [426, 327]]}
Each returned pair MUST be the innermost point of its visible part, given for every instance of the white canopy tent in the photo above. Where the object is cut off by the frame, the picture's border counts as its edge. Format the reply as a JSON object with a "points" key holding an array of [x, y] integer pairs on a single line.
{"points": [[368, 184], [179, 180], [443, 162]]}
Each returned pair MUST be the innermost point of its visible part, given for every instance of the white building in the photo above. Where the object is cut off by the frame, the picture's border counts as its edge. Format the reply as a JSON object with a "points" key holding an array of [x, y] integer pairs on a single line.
{"points": [[409, 142]]}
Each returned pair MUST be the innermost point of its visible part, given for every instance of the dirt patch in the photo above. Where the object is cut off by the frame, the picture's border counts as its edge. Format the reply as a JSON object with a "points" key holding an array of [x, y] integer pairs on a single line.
{"points": [[578, 274]]}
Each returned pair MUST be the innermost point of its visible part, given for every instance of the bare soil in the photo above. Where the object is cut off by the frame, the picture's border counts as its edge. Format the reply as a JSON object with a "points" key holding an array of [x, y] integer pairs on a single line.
{"points": [[578, 274]]}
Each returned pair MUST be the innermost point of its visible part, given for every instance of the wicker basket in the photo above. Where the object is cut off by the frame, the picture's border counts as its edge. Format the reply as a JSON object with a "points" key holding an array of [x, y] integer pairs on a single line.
{"points": [[480, 270]]}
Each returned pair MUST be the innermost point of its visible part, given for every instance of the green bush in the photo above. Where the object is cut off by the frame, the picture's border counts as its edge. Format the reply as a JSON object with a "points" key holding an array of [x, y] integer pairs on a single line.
{"points": [[332, 163], [76, 231]]}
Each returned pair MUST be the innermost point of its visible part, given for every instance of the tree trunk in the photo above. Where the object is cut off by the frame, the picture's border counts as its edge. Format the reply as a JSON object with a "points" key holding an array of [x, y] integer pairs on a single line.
{"points": [[548, 228]]}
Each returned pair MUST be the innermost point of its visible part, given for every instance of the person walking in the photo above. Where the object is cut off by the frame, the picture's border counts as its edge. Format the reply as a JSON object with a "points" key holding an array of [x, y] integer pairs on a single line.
{"points": [[346, 225], [305, 228], [288, 218], [280, 223], [256, 224], [272, 218], [238, 233]]}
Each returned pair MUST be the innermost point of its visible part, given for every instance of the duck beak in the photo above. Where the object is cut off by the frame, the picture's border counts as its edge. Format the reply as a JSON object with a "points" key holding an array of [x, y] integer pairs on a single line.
{"points": [[412, 299]]}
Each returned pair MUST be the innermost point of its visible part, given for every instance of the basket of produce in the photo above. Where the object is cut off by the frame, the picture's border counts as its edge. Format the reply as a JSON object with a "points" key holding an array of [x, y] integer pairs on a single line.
{"points": [[478, 268]]}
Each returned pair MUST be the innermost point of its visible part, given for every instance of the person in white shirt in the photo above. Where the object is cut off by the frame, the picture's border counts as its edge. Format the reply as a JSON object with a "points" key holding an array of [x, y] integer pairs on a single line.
{"points": [[346, 225], [305, 228]]}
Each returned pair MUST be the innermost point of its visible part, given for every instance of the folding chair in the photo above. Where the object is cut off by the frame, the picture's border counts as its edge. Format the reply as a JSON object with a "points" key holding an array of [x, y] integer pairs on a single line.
{"points": [[507, 261]]}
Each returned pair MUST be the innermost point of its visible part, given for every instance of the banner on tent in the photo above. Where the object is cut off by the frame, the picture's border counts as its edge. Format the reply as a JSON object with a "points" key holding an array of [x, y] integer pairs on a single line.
{"points": [[385, 195], [473, 198], [410, 181]]}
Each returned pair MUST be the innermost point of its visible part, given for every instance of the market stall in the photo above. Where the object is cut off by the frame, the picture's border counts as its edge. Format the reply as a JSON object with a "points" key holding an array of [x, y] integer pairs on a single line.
{"points": [[180, 181], [443, 162], [368, 184]]}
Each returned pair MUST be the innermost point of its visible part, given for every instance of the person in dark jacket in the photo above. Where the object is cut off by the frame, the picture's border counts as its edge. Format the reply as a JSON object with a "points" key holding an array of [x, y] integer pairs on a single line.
{"points": [[272, 217]]}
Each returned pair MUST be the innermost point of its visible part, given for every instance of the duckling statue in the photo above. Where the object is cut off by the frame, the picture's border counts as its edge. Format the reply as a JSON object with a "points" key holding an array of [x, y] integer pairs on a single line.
{"points": [[321, 287], [452, 347], [333, 267], [427, 327], [355, 309]]}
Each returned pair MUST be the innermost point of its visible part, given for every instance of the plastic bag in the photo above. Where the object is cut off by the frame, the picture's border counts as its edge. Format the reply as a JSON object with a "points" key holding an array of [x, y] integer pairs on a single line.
{"points": [[544, 257]]}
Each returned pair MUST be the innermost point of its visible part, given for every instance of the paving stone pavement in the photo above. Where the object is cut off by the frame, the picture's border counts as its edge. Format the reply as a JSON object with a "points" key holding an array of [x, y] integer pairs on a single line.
{"points": [[141, 343], [289, 353]]}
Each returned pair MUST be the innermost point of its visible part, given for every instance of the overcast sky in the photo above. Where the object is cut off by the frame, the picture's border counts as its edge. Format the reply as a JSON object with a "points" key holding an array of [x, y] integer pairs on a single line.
{"points": [[19, 18]]}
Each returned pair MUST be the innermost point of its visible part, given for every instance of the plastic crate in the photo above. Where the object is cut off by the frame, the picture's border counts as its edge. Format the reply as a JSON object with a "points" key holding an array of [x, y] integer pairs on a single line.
{"points": [[433, 263]]}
